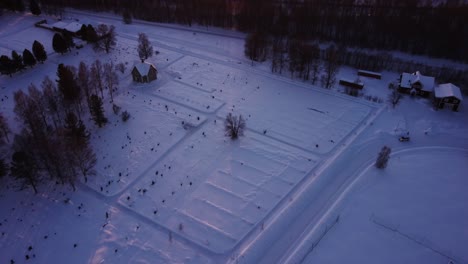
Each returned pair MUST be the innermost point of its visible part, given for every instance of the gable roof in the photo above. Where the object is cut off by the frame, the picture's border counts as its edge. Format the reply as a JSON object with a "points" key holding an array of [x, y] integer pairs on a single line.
{"points": [[73, 27], [408, 79], [448, 90], [143, 68]]}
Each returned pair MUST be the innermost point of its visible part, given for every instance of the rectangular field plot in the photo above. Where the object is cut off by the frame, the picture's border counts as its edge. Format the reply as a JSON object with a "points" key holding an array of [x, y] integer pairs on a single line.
{"points": [[213, 190], [312, 119], [125, 150], [188, 96]]}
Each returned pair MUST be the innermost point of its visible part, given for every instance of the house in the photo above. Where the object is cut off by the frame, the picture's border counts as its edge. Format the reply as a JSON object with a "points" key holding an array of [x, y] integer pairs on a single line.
{"points": [[447, 93], [416, 84], [144, 72], [71, 27]]}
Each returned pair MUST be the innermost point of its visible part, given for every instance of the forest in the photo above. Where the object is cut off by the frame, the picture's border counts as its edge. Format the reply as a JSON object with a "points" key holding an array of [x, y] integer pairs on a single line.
{"points": [[433, 28]]}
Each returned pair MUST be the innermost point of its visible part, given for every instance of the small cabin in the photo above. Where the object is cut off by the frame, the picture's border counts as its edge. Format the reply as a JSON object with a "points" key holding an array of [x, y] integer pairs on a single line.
{"points": [[369, 74], [447, 94], [416, 84], [144, 72]]}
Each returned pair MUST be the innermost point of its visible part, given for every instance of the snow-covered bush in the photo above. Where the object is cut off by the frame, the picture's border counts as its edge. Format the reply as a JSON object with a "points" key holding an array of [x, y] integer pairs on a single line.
{"points": [[382, 158]]}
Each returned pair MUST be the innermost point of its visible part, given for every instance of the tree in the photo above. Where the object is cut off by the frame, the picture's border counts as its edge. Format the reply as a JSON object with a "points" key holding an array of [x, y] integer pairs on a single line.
{"points": [[34, 7], [90, 34], [127, 17], [53, 101], [106, 38], [39, 51], [6, 65], [83, 80], [24, 169], [145, 50], [17, 61], [97, 111], [96, 77], [3, 168], [68, 87], [59, 44], [111, 79], [68, 38], [28, 58], [255, 47], [330, 67], [383, 157], [234, 126], [4, 128]]}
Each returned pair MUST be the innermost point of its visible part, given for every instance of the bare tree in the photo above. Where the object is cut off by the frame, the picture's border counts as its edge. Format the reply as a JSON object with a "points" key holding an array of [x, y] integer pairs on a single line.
{"points": [[4, 128], [234, 126], [96, 78], [145, 49], [394, 96], [106, 38], [111, 79], [83, 80], [330, 67], [53, 102]]}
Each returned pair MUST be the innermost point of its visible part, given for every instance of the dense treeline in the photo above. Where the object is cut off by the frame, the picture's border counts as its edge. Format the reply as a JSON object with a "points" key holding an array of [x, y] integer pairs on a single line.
{"points": [[414, 26]]}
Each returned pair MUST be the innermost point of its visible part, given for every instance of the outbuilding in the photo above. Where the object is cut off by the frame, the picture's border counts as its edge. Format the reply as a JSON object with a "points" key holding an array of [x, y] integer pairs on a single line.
{"points": [[447, 94], [416, 84], [144, 72]]}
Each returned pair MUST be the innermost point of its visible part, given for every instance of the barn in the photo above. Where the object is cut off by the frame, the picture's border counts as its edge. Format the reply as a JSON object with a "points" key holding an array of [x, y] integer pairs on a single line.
{"points": [[416, 84], [447, 94], [144, 72]]}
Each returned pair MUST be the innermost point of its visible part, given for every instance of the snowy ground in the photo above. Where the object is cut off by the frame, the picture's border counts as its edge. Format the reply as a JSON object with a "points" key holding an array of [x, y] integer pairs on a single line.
{"points": [[171, 188]]}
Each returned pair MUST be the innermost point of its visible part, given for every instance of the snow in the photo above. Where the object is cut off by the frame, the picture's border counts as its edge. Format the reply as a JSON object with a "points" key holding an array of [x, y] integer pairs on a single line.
{"points": [[172, 188], [447, 90]]}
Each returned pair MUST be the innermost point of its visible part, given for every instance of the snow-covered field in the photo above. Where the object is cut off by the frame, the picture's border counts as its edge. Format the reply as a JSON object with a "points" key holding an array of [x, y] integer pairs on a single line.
{"points": [[171, 188]]}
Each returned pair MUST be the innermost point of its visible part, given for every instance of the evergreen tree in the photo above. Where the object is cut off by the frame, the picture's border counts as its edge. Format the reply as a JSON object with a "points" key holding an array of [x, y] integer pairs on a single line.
{"points": [[68, 38], [24, 169], [7, 66], [256, 45], [34, 7], [68, 87], [127, 17], [17, 61], [91, 35], [39, 51], [97, 111], [145, 49], [59, 44], [28, 58]]}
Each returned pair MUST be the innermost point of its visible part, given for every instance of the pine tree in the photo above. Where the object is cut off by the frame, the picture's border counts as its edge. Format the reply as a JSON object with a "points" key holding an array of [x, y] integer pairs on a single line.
{"points": [[68, 38], [7, 66], [127, 17], [24, 169], [28, 58], [145, 50], [39, 51], [59, 44], [17, 61], [91, 35], [68, 87], [97, 111], [34, 7]]}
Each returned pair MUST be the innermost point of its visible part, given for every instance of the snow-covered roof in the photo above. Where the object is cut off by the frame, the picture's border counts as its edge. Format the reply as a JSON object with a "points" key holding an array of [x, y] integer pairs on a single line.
{"points": [[448, 90], [143, 67], [60, 24], [73, 27], [408, 79]]}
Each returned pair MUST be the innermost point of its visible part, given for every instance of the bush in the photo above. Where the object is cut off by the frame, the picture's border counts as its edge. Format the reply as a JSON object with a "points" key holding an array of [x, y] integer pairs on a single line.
{"points": [[120, 67], [125, 116], [382, 158], [234, 126], [116, 109]]}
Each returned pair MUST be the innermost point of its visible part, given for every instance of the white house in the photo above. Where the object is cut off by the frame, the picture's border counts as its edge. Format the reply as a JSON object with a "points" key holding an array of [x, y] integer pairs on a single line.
{"points": [[416, 84], [447, 93]]}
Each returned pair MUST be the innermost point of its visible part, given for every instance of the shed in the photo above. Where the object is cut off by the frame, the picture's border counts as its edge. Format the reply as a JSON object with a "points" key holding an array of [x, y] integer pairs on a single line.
{"points": [[144, 72], [447, 93], [352, 84], [416, 84]]}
